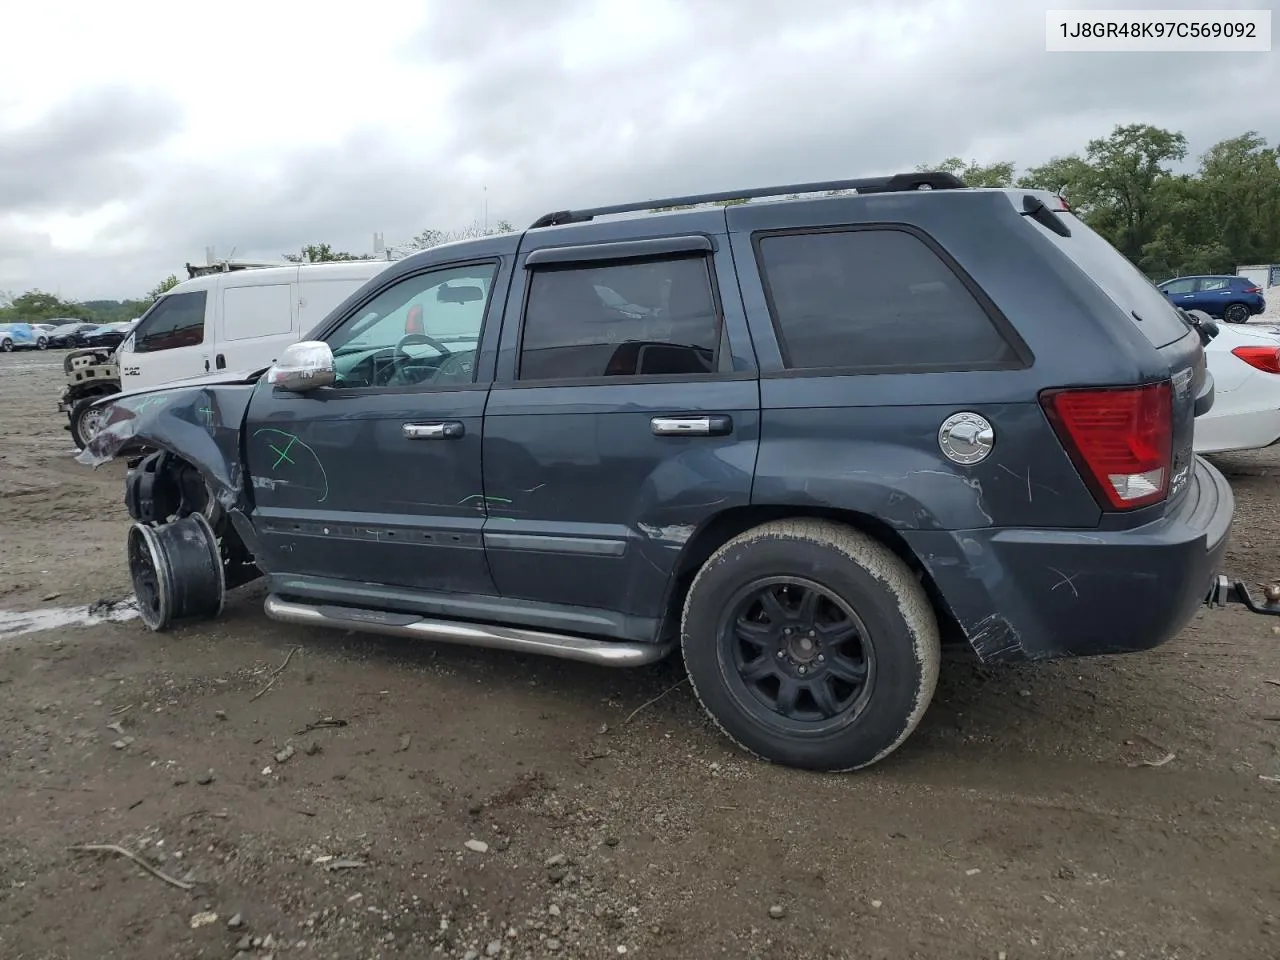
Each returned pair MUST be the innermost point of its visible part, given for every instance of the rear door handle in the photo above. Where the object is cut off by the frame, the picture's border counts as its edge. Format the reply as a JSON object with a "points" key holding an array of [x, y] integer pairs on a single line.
{"points": [[704, 425], [448, 430]]}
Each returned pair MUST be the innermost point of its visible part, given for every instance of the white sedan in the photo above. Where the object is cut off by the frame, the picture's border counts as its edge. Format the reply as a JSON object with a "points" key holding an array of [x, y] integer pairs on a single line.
{"points": [[1245, 362]]}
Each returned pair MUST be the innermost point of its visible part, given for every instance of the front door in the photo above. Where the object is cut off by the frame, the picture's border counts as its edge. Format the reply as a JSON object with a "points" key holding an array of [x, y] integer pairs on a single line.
{"points": [[172, 341], [624, 416], [376, 480]]}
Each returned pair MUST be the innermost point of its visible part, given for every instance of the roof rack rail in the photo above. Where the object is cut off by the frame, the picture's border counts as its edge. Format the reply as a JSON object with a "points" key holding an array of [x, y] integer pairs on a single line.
{"points": [[926, 180], [228, 266]]}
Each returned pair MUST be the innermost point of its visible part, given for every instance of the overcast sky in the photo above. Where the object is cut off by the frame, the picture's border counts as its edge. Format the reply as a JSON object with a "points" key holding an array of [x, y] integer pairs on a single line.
{"points": [[135, 134]]}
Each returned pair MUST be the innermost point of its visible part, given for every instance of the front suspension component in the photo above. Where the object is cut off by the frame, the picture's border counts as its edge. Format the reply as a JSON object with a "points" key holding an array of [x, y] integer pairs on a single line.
{"points": [[1224, 591]]}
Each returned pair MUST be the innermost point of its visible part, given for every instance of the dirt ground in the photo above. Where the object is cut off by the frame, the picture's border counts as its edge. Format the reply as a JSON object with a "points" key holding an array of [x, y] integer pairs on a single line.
{"points": [[1019, 822]]}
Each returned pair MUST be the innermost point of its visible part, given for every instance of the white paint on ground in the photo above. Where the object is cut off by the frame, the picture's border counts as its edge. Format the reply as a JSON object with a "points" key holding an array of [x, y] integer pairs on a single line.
{"points": [[15, 624]]}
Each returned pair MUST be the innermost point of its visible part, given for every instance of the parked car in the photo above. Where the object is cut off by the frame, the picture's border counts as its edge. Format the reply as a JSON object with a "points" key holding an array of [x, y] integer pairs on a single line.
{"points": [[840, 430], [63, 335], [1230, 298], [21, 336], [1245, 364], [107, 335]]}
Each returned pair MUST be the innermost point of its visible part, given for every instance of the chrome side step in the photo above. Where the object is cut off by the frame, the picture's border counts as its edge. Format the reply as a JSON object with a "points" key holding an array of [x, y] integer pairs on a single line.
{"points": [[609, 653]]}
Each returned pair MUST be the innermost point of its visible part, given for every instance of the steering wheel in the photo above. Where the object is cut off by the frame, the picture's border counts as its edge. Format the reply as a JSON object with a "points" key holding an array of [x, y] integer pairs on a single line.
{"points": [[432, 342]]}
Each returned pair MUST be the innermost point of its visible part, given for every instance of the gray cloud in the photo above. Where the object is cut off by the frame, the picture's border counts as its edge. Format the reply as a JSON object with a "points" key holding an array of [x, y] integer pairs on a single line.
{"points": [[84, 151], [736, 93]]}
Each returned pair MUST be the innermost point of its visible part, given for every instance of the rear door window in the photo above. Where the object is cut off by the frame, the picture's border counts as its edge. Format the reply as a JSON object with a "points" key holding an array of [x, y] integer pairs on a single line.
{"points": [[1119, 279], [1213, 284], [648, 318], [876, 299], [177, 320]]}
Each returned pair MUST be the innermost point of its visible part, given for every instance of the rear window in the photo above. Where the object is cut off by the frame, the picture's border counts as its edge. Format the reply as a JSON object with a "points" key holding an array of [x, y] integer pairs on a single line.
{"points": [[877, 299], [1119, 279]]}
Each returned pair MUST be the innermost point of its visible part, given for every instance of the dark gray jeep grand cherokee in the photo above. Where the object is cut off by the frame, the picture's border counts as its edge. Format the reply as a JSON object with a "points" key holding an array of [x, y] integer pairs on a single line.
{"points": [[808, 440]]}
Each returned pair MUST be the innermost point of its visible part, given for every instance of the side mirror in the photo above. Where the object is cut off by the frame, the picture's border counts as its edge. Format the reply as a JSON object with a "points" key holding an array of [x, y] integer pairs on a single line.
{"points": [[304, 366]]}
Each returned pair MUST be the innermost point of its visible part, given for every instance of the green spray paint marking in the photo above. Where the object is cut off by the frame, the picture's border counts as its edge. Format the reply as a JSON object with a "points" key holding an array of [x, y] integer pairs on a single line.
{"points": [[147, 402], [283, 454], [291, 441]]}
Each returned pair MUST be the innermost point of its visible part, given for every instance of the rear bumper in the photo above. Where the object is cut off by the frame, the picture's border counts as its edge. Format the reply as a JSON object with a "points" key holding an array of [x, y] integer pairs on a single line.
{"points": [[1038, 594]]}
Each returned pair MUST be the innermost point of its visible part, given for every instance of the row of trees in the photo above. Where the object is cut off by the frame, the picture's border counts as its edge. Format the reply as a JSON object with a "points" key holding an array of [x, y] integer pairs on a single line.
{"points": [[1223, 214], [35, 306]]}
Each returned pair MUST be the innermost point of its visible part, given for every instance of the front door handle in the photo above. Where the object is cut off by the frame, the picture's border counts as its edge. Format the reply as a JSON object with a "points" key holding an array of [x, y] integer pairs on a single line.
{"points": [[448, 430], [703, 425]]}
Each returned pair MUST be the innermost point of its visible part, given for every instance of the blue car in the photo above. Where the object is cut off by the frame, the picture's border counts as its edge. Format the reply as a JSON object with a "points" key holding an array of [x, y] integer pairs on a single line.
{"points": [[21, 336], [1230, 298]]}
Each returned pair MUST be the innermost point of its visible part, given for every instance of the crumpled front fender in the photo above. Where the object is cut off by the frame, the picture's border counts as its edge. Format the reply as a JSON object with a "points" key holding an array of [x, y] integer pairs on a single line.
{"points": [[201, 424]]}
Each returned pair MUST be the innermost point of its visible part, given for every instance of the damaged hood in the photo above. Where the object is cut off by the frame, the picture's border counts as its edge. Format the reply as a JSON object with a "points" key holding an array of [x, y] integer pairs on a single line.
{"points": [[213, 379], [198, 420]]}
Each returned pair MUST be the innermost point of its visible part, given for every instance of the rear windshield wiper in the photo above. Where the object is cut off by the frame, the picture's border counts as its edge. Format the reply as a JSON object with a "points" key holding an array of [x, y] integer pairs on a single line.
{"points": [[1033, 207]]}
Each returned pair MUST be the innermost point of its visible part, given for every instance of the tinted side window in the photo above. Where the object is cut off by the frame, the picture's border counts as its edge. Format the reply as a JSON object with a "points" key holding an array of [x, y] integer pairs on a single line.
{"points": [[177, 320], [874, 298], [639, 318]]}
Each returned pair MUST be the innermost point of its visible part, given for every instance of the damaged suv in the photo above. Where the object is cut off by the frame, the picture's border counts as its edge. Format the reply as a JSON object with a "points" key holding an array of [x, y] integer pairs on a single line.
{"points": [[807, 440]]}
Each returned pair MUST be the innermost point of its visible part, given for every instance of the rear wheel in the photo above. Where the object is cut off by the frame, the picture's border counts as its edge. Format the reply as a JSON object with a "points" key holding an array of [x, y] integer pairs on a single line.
{"points": [[6, 345], [1236, 313], [811, 644], [42, 344]]}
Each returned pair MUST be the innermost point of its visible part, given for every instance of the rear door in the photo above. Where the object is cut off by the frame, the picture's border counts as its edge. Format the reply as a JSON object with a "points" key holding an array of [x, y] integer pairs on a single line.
{"points": [[625, 412], [172, 341], [1213, 294]]}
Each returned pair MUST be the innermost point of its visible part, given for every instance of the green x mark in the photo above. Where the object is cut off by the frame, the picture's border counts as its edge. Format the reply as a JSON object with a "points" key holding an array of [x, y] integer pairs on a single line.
{"points": [[284, 454]]}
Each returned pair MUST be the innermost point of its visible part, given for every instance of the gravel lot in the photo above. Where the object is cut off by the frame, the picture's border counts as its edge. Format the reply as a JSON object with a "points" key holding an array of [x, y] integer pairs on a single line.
{"points": [[466, 803]]}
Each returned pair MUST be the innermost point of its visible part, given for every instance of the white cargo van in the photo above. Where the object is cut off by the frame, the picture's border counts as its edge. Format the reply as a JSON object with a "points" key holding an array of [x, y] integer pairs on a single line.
{"points": [[235, 320]]}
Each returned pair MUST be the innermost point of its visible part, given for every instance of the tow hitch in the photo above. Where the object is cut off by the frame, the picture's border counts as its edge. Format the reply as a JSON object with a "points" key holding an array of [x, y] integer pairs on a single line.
{"points": [[1225, 591]]}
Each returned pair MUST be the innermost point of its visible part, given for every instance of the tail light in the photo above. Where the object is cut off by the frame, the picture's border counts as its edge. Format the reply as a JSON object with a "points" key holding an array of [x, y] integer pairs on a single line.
{"points": [[1120, 438], [1252, 289], [1266, 359]]}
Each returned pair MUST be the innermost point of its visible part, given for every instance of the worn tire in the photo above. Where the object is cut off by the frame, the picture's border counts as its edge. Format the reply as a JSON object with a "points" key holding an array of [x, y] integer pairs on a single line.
{"points": [[901, 631], [1236, 313]]}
